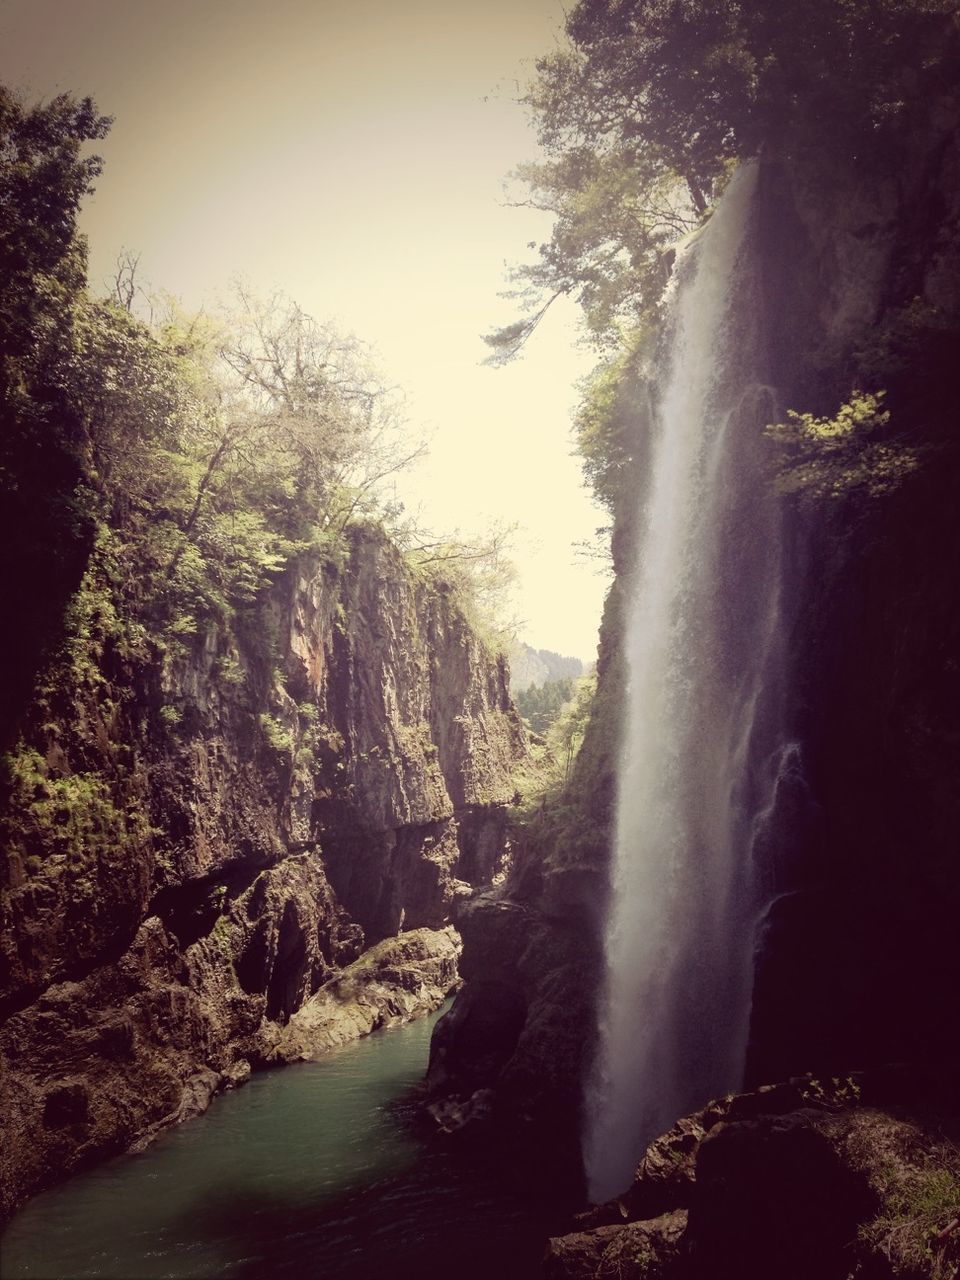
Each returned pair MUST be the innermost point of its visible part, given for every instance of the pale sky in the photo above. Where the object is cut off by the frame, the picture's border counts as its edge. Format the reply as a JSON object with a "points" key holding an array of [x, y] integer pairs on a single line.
{"points": [[352, 156]]}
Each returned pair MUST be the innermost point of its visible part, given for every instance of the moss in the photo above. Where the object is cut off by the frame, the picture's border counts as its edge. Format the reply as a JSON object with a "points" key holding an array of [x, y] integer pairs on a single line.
{"points": [[228, 673], [222, 933], [415, 741], [78, 815], [916, 1177], [628, 1259], [920, 1205], [222, 937]]}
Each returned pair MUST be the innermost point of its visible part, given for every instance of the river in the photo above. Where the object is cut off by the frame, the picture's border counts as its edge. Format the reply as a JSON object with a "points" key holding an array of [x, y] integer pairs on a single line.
{"points": [[312, 1171]]}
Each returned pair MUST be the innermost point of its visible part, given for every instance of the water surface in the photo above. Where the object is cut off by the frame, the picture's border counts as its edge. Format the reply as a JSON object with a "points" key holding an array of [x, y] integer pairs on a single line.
{"points": [[315, 1170]]}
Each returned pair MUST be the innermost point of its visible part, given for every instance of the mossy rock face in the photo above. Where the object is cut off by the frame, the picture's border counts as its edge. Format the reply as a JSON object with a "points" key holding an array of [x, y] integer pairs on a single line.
{"points": [[270, 791], [637, 1251], [796, 1180], [806, 1192]]}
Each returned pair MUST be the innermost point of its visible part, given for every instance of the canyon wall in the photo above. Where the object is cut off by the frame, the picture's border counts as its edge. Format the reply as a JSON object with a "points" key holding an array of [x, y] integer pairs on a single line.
{"points": [[203, 831], [859, 264]]}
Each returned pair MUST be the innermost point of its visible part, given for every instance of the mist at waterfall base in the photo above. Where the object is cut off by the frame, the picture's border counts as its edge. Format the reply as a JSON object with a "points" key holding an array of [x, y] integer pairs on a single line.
{"points": [[701, 736]]}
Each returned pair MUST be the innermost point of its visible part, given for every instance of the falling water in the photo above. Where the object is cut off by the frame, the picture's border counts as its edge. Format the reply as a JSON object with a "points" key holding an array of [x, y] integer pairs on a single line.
{"points": [[699, 753]]}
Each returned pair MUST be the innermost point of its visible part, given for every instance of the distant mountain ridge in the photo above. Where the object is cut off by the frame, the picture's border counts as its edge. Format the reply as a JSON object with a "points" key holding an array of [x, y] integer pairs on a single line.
{"points": [[530, 666]]}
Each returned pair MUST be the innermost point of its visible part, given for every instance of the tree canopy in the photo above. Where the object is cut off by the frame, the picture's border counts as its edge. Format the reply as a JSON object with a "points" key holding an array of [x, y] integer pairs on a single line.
{"points": [[167, 472], [643, 110], [45, 171]]}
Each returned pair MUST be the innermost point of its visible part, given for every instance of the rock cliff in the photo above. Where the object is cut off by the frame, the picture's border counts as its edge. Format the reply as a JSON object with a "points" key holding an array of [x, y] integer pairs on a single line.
{"points": [[854, 1176], [856, 964], [200, 834]]}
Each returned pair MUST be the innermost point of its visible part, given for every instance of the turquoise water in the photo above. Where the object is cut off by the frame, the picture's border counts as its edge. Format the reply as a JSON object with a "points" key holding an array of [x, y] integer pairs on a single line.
{"points": [[313, 1171]]}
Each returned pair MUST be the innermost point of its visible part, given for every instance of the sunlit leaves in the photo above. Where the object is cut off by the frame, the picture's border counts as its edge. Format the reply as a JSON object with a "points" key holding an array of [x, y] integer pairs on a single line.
{"points": [[611, 422], [320, 406], [852, 452]]}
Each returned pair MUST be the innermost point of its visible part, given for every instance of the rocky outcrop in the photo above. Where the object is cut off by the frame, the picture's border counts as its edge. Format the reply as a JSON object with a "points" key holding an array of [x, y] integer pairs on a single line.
{"points": [[202, 832], [508, 1062], [852, 1177], [397, 980], [615, 1253]]}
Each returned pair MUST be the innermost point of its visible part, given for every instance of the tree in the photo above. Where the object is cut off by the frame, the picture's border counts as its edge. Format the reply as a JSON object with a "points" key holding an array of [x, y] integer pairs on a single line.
{"points": [[43, 534], [852, 452], [644, 110], [321, 405], [541, 704], [123, 285], [43, 178], [478, 571], [608, 248]]}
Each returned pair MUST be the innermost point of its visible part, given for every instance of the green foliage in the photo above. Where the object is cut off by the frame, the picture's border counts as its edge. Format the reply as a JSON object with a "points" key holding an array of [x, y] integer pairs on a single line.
{"points": [[277, 734], [177, 469], [629, 1255], [608, 247], [222, 937], [848, 453], [229, 672], [645, 108], [540, 704], [544, 779], [835, 1094], [73, 815], [566, 734], [414, 741], [920, 1198], [477, 575], [44, 530], [43, 178], [313, 398], [610, 421]]}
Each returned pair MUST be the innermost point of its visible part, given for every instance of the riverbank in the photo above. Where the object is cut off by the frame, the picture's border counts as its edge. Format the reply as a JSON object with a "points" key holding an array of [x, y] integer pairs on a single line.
{"points": [[318, 1169]]}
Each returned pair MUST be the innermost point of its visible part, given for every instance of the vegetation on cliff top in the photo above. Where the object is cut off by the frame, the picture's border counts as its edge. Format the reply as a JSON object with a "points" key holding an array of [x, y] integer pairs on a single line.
{"points": [[155, 481], [641, 114], [170, 472], [642, 111]]}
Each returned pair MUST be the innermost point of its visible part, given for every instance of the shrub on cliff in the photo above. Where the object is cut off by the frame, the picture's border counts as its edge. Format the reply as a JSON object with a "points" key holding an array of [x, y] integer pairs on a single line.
{"points": [[854, 451]]}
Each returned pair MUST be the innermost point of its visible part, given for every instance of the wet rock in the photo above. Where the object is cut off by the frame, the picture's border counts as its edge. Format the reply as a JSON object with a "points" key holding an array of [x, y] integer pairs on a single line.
{"points": [[237, 1074], [397, 980], [798, 1180], [638, 1251], [452, 1116], [198, 1091]]}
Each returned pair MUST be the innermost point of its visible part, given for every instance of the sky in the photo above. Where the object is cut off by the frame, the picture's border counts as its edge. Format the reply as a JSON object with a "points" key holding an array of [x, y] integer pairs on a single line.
{"points": [[352, 156]]}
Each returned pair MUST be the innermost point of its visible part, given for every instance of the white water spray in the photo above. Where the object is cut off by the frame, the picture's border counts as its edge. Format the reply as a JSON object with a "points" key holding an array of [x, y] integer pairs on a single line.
{"points": [[699, 736]]}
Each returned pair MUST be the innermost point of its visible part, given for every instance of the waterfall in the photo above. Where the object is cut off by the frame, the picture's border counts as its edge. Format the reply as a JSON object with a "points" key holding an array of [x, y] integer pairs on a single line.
{"points": [[700, 752]]}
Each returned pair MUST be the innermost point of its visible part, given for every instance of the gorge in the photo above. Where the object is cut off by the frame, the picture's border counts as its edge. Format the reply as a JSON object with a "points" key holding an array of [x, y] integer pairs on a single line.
{"points": [[265, 790]]}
